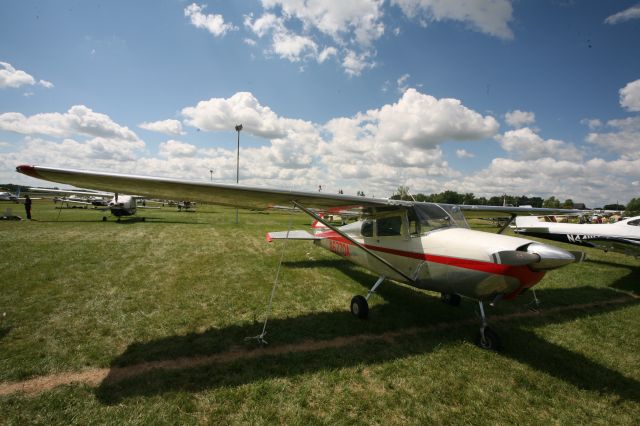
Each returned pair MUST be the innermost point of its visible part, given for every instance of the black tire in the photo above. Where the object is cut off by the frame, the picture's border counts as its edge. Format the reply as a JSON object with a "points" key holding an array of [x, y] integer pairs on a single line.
{"points": [[451, 299], [490, 342], [144, 219], [104, 218], [359, 307]]}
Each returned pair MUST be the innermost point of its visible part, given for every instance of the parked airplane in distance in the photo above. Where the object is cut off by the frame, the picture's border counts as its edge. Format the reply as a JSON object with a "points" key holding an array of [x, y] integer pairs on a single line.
{"points": [[119, 205], [621, 237]]}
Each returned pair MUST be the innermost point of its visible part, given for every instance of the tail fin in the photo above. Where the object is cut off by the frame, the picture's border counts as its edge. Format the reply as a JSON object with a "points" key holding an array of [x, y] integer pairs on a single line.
{"points": [[317, 227]]}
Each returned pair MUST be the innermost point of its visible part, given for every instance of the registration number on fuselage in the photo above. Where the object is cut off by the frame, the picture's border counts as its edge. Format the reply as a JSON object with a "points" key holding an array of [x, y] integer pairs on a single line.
{"points": [[338, 247]]}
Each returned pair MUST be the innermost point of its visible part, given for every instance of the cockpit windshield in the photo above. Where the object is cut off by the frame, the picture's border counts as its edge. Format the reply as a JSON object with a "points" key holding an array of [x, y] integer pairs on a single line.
{"points": [[426, 217]]}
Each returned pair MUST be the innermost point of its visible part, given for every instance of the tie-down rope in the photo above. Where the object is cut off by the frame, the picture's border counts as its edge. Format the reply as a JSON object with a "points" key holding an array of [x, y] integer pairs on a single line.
{"points": [[260, 337]]}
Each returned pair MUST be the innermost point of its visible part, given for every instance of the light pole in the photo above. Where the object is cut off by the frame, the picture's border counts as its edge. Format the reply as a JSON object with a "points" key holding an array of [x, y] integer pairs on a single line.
{"points": [[211, 171], [238, 128]]}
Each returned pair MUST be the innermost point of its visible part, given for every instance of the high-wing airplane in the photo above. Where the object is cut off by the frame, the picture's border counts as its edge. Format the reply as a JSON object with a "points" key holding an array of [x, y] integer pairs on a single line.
{"points": [[7, 196], [621, 237], [119, 205], [425, 245]]}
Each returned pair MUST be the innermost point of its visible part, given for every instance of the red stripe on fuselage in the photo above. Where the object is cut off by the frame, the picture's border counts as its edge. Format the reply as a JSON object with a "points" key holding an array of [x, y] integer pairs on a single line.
{"points": [[524, 274]]}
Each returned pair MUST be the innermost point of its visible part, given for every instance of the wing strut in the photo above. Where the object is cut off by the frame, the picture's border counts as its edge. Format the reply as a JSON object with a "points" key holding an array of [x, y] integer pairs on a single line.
{"points": [[513, 216], [359, 245]]}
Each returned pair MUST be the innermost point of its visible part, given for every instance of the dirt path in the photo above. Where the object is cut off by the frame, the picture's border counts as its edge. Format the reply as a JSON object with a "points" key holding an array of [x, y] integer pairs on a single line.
{"points": [[94, 377]]}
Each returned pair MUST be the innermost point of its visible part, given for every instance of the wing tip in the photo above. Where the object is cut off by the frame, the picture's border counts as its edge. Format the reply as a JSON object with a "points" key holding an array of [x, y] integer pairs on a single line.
{"points": [[28, 170]]}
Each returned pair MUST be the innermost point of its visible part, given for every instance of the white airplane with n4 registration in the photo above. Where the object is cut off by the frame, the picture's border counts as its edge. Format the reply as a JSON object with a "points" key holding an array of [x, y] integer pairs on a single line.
{"points": [[621, 237], [425, 245]]}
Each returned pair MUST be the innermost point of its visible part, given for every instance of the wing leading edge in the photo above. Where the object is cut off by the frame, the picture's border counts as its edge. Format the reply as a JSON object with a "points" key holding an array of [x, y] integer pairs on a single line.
{"points": [[204, 192], [239, 195]]}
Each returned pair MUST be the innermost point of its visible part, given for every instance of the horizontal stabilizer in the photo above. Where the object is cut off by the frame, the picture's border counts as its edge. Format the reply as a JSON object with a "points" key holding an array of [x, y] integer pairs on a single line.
{"points": [[293, 235]]}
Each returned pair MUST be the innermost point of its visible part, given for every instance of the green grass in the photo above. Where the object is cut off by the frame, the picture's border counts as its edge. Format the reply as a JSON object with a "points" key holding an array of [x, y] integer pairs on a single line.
{"points": [[81, 294]]}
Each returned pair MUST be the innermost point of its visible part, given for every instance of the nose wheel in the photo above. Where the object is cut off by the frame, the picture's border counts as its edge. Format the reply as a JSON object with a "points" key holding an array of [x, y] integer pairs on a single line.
{"points": [[487, 338]]}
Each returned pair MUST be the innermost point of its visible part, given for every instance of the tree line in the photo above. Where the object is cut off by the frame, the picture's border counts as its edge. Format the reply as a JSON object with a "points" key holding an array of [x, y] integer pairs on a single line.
{"points": [[453, 197]]}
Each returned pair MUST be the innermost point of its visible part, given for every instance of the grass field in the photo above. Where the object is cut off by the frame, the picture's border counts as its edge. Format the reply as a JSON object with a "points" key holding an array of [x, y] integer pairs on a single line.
{"points": [[145, 322]]}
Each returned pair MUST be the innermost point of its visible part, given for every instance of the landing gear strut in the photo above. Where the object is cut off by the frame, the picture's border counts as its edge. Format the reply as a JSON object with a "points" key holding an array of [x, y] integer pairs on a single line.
{"points": [[487, 338], [359, 304], [535, 303]]}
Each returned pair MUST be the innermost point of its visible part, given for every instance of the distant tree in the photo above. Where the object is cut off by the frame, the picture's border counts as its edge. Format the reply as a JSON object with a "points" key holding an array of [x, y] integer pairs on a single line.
{"points": [[613, 207], [568, 204], [551, 203], [495, 201], [402, 193], [633, 207]]}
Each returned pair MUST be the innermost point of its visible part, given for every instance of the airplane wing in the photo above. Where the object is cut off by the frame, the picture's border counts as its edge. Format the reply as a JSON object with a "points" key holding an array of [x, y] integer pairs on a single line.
{"points": [[245, 196], [72, 192], [619, 245], [205, 192]]}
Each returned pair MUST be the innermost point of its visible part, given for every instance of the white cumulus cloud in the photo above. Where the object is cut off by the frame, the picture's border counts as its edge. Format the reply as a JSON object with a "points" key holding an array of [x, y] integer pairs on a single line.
{"points": [[79, 120], [173, 148], [463, 153], [517, 118], [11, 77], [336, 18], [630, 96], [169, 127], [487, 16], [213, 23], [623, 139], [528, 145], [632, 12]]}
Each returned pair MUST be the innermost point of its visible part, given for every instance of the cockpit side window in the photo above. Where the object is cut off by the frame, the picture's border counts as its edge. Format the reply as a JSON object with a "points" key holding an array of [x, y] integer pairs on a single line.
{"points": [[389, 226], [367, 228], [634, 222]]}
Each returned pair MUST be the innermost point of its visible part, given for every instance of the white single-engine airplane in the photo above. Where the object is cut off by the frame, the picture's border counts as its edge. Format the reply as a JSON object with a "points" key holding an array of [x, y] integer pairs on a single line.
{"points": [[621, 237], [120, 205], [425, 245]]}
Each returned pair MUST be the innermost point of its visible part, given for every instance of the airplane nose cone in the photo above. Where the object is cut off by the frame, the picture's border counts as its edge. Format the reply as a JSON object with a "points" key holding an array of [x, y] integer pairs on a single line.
{"points": [[550, 257]]}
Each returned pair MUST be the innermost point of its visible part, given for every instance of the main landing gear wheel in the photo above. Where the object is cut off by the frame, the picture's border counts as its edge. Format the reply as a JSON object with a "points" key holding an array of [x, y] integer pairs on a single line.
{"points": [[488, 339], [359, 307], [144, 219], [451, 299], [104, 218]]}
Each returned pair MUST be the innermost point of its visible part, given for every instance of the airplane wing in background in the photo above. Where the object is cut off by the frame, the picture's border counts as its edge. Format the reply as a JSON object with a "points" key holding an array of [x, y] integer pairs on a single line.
{"points": [[71, 192], [619, 245], [473, 212]]}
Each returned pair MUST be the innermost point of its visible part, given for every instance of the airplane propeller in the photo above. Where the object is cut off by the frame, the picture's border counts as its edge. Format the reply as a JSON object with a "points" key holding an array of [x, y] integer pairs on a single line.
{"points": [[539, 257]]}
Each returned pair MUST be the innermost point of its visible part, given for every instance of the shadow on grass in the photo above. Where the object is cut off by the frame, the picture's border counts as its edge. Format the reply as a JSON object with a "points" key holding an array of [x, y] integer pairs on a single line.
{"points": [[4, 331], [407, 319]]}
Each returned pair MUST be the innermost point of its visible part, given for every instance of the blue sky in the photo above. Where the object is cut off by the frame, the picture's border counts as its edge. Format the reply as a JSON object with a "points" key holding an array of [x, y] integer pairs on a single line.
{"points": [[487, 96]]}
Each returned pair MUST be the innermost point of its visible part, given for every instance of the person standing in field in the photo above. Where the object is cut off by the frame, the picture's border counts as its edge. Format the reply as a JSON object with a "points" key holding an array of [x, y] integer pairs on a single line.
{"points": [[27, 206]]}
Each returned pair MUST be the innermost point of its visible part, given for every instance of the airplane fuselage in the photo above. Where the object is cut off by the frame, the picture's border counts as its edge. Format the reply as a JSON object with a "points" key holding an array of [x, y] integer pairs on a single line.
{"points": [[622, 236], [449, 260]]}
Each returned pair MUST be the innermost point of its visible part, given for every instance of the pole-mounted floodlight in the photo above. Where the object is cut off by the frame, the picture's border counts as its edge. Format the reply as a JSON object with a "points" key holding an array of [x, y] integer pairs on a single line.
{"points": [[238, 128], [211, 171]]}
